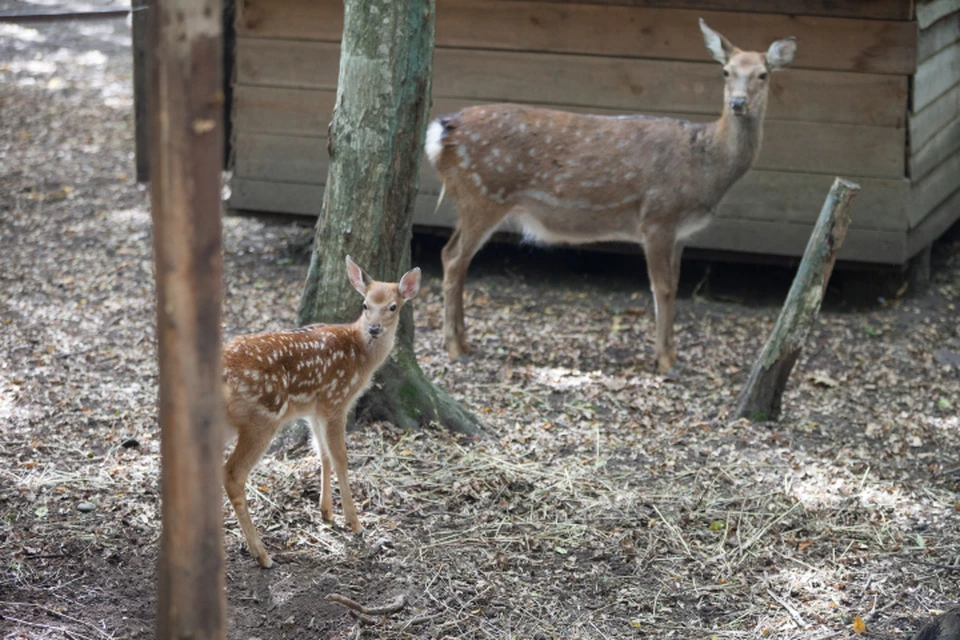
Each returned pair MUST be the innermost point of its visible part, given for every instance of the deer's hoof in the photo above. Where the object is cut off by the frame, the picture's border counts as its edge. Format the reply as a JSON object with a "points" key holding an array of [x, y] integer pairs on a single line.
{"points": [[458, 350], [667, 363]]}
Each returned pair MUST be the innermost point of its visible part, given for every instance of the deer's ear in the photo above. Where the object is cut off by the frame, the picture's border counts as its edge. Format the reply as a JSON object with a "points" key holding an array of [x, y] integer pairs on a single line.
{"points": [[719, 47], [409, 285], [358, 278], [781, 53]]}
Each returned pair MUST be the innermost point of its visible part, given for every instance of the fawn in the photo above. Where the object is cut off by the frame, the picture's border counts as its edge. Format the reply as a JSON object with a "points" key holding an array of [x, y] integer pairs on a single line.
{"points": [[316, 372], [571, 178]]}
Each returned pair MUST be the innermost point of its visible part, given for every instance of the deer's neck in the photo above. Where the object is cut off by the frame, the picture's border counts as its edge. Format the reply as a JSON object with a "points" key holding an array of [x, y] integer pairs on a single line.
{"points": [[737, 143]]}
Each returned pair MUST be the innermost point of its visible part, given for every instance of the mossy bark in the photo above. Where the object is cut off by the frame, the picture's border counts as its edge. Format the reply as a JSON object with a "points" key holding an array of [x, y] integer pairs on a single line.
{"points": [[761, 397], [375, 145]]}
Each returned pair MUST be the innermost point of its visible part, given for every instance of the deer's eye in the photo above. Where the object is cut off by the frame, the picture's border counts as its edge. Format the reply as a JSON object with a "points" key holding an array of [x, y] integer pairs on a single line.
{"points": [[364, 306], [393, 307], [762, 76], [726, 74]]}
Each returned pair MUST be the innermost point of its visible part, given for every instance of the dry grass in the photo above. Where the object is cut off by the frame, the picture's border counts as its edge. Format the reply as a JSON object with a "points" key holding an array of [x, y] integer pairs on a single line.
{"points": [[612, 503]]}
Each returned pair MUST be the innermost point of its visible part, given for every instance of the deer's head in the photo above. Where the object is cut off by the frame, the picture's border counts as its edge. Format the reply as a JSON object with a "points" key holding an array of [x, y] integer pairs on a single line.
{"points": [[382, 301], [746, 73]]}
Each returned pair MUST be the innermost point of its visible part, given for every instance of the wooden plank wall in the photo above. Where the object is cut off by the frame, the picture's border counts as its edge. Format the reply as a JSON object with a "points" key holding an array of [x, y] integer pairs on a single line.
{"points": [[934, 124], [841, 109]]}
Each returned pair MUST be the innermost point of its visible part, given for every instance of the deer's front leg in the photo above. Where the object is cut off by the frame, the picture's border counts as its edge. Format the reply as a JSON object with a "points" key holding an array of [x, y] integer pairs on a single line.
{"points": [[335, 431], [664, 271], [326, 491]]}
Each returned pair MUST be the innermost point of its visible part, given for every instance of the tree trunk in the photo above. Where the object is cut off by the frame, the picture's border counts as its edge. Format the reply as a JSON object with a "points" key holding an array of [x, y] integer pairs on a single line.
{"points": [[762, 395], [375, 145], [186, 144]]}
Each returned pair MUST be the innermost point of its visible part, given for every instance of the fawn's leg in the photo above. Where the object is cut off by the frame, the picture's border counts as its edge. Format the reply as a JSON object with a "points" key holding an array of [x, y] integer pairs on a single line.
{"points": [[335, 434], [252, 441], [659, 248], [326, 492]]}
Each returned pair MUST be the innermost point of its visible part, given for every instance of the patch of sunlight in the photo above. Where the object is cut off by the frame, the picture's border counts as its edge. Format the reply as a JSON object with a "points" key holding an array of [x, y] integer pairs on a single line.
{"points": [[561, 378], [91, 59], [35, 67], [819, 486], [137, 214], [17, 32]]}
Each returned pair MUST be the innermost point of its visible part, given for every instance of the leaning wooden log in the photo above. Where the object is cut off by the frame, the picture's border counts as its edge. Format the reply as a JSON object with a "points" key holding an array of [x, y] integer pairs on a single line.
{"points": [[762, 395]]}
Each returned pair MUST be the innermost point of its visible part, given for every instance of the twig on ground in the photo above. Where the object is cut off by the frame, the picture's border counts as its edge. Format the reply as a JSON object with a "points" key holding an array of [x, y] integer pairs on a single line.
{"points": [[786, 605]]}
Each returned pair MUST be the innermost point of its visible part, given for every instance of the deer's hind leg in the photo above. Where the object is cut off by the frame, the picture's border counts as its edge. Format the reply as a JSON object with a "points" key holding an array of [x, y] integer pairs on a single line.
{"points": [[475, 226], [253, 438]]}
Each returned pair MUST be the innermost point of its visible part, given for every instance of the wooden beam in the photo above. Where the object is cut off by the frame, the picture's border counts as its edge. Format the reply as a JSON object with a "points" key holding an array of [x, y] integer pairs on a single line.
{"points": [[186, 141], [939, 148], [925, 124], [629, 84], [935, 76], [874, 9], [767, 237], [871, 46], [934, 188], [937, 36], [934, 224], [929, 11]]}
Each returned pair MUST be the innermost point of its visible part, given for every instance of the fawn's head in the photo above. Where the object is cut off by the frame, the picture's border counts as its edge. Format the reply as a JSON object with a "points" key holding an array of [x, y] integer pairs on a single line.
{"points": [[746, 73], [382, 301]]}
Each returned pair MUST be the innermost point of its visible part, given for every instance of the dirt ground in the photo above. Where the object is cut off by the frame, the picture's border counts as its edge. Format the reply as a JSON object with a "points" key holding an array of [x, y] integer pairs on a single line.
{"points": [[612, 503]]}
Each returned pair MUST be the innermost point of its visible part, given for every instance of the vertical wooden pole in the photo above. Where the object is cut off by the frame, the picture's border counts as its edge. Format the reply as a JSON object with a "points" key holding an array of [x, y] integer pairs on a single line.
{"points": [[140, 34], [186, 159]]}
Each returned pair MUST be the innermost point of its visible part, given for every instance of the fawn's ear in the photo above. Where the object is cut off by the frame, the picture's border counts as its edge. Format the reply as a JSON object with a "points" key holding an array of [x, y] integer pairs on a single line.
{"points": [[358, 277], [780, 54], [409, 285], [720, 48]]}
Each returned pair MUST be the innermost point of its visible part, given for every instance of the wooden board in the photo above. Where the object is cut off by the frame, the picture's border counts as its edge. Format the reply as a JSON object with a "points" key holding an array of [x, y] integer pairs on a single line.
{"points": [[934, 224], [935, 76], [928, 193], [927, 123], [877, 9], [939, 148], [643, 32], [929, 11], [726, 233], [770, 196], [938, 36], [787, 145], [618, 83]]}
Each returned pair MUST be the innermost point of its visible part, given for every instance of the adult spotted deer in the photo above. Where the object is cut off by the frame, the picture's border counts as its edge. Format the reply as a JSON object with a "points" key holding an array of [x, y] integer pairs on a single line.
{"points": [[316, 372], [570, 178]]}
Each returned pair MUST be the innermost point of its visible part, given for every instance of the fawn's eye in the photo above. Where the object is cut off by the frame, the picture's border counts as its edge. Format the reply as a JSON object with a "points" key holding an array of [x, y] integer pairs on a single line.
{"points": [[393, 307], [364, 306], [762, 76], [726, 74]]}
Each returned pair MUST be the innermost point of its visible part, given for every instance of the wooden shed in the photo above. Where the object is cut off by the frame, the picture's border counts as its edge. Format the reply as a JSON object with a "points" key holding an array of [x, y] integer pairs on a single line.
{"points": [[873, 95]]}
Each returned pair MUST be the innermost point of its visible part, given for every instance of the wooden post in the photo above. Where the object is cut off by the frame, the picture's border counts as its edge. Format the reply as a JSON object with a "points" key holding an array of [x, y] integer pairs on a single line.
{"points": [[140, 18], [761, 397], [186, 144]]}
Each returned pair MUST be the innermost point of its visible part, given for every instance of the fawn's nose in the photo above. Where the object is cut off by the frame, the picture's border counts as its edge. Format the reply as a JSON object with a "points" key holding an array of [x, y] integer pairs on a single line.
{"points": [[739, 105], [375, 329]]}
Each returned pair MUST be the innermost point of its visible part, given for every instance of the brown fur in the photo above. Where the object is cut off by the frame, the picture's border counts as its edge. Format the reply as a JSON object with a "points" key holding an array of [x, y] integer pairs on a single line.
{"points": [[316, 372], [570, 178]]}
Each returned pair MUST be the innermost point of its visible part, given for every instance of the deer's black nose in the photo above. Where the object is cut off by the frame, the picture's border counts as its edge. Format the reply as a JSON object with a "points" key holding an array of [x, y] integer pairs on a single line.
{"points": [[375, 329], [739, 105]]}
